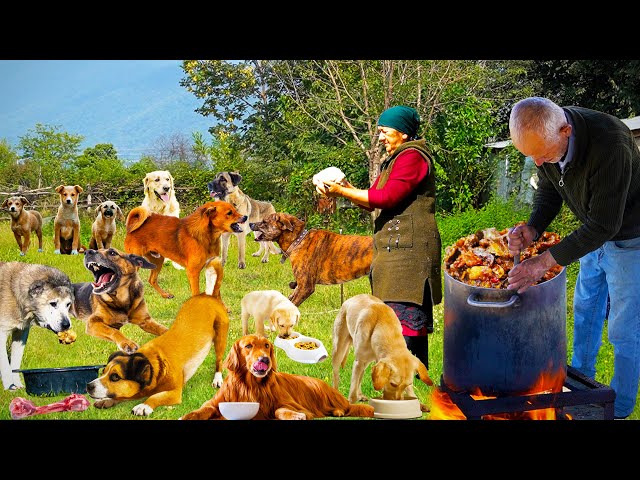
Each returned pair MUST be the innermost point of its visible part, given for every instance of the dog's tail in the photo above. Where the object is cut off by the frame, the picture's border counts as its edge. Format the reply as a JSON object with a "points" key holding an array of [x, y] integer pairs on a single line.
{"points": [[136, 218]]}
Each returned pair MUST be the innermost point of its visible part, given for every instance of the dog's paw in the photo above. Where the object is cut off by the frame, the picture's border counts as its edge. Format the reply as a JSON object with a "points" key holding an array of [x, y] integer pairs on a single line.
{"points": [[74, 252], [128, 347], [293, 285], [40, 250], [217, 380], [142, 410], [242, 265], [57, 252], [22, 254], [104, 403], [424, 408]]}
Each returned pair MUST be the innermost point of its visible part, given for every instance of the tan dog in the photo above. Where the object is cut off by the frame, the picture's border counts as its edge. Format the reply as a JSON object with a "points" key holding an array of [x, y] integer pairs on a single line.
{"points": [[225, 186], [23, 222], [162, 366], [192, 241], [375, 332], [318, 257], [271, 306], [66, 226], [252, 377], [159, 193], [115, 298], [104, 226]]}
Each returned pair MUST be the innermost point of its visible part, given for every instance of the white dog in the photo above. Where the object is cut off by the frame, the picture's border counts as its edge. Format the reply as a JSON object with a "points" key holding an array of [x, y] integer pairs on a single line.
{"points": [[160, 197], [30, 294], [272, 306]]}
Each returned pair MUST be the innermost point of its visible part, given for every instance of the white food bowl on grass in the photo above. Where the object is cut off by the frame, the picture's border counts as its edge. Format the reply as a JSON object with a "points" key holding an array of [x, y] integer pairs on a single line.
{"points": [[409, 407], [301, 348], [239, 410]]}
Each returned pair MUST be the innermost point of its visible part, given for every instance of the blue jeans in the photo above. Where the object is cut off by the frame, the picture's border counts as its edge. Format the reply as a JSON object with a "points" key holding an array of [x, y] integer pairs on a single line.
{"points": [[610, 271]]}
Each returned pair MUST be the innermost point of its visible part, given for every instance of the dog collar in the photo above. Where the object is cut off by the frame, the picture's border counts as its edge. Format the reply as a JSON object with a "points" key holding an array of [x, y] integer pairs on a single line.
{"points": [[293, 245]]}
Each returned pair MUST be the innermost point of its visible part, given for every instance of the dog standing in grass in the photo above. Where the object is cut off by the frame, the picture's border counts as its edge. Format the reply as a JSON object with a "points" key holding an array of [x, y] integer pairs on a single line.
{"points": [[104, 226], [23, 222], [66, 226]]}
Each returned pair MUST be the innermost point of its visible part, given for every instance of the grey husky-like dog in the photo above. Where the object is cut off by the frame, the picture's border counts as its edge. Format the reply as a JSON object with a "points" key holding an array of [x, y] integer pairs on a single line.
{"points": [[30, 294], [225, 187]]}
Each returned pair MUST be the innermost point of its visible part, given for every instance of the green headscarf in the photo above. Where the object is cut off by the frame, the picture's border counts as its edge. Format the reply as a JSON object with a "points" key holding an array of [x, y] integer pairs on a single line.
{"points": [[401, 118]]}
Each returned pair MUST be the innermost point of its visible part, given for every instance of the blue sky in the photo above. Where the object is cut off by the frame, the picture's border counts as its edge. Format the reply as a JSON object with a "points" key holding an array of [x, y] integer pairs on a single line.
{"points": [[129, 103]]}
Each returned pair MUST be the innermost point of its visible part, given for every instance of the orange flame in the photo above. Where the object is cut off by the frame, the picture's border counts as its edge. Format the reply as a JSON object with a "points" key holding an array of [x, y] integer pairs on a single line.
{"points": [[443, 408]]}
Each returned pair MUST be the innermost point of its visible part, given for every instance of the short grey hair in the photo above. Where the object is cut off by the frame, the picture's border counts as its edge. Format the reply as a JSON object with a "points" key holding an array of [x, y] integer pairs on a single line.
{"points": [[536, 114]]}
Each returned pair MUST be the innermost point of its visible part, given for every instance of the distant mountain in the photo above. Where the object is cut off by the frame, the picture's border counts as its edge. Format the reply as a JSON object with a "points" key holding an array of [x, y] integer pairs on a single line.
{"points": [[130, 104]]}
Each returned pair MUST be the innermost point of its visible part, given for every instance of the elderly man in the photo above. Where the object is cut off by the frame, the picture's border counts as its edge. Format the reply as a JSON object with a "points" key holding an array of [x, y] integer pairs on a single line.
{"points": [[590, 161]]}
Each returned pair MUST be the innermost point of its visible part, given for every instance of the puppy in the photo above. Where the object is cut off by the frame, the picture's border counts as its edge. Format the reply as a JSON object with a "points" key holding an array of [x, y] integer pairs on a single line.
{"points": [[104, 226], [159, 193], [225, 187], [66, 226], [115, 297], [252, 377], [162, 366], [269, 305], [375, 332], [192, 241], [30, 294], [23, 222], [318, 257]]}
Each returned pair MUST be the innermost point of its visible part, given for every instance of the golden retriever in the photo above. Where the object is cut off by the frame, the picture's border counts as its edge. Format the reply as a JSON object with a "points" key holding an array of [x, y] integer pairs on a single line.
{"points": [[252, 377], [159, 193], [375, 332], [272, 306]]}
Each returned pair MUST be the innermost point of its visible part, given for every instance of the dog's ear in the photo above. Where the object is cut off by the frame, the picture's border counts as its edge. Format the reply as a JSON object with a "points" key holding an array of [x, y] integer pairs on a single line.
{"points": [[146, 180], [235, 177], [5, 203], [119, 213], [380, 374], [98, 209], [141, 369], [59, 188], [25, 201], [232, 362], [423, 373], [272, 357], [78, 188], [286, 222], [140, 262], [36, 288]]}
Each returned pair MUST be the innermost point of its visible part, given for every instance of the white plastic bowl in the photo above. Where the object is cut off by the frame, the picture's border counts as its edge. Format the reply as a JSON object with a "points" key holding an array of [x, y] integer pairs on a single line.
{"points": [[396, 409], [239, 410], [298, 354]]}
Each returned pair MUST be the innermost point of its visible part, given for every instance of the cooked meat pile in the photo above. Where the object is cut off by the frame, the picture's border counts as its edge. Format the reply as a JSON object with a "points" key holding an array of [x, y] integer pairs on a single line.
{"points": [[482, 259]]}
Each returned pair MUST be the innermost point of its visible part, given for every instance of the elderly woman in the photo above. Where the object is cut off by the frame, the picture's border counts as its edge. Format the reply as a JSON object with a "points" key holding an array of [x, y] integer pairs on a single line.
{"points": [[405, 272]]}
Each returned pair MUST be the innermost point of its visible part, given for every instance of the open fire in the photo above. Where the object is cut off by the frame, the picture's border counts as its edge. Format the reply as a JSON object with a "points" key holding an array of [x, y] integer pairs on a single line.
{"points": [[554, 396]]}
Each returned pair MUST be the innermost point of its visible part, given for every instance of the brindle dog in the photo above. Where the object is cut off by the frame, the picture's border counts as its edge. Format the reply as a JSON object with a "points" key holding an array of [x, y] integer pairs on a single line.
{"points": [[318, 257], [115, 298]]}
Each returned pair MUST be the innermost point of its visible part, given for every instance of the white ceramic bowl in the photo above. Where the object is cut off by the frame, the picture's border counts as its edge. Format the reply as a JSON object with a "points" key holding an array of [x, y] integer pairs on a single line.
{"points": [[396, 409], [238, 410], [301, 355]]}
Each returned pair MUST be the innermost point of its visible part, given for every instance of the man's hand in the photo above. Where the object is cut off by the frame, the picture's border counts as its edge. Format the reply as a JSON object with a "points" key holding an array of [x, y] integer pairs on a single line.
{"points": [[528, 272], [520, 237]]}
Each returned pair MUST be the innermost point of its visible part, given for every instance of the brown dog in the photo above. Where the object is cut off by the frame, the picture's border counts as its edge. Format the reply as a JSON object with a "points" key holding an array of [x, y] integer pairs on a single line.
{"points": [[115, 298], [252, 377], [23, 222], [192, 241], [318, 257], [375, 332], [162, 366], [66, 226], [104, 226]]}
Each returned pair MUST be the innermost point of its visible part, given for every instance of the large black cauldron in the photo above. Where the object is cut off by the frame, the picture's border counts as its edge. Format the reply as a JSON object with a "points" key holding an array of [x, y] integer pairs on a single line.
{"points": [[499, 341]]}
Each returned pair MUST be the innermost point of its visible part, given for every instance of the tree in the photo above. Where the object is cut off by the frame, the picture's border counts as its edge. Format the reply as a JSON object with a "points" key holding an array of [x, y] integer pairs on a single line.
{"points": [[47, 152], [8, 160]]}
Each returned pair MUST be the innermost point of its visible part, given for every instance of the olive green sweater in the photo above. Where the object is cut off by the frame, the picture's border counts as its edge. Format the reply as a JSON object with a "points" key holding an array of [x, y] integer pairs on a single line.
{"points": [[601, 186]]}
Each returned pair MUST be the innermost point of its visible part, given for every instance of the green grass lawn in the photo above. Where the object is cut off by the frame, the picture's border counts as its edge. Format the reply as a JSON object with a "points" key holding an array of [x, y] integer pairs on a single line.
{"points": [[317, 315]]}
